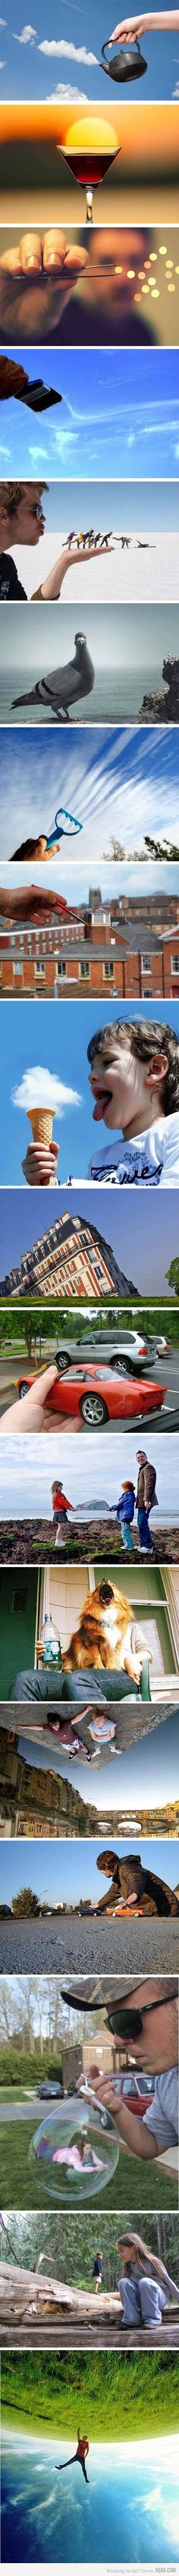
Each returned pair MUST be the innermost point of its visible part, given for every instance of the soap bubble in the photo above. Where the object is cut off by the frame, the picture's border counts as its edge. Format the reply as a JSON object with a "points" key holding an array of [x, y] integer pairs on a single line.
{"points": [[74, 2152]]}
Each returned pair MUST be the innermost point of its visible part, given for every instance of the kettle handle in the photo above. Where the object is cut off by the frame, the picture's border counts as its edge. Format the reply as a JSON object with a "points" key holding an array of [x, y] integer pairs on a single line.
{"points": [[107, 41]]}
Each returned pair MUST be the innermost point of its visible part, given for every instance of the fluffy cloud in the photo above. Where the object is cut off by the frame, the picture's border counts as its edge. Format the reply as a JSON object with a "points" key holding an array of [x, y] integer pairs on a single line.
{"points": [[27, 37], [75, 53], [40, 1089], [78, 95]]}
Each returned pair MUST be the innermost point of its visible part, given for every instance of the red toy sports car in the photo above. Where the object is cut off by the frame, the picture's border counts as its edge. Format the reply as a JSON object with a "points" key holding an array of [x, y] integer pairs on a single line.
{"points": [[99, 1396]]}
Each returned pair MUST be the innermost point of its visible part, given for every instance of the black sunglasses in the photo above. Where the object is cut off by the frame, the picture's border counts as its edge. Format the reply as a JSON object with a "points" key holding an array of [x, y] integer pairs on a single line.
{"points": [[128, 2023]]}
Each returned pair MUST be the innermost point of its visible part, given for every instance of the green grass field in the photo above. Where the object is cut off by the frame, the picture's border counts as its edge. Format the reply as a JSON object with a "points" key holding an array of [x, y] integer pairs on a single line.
{"points": [[117, 2396], [133, 2184]]}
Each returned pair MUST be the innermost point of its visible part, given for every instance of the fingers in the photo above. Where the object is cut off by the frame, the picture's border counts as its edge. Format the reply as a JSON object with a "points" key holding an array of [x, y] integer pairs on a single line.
{"points": [[30, 252], [76, 260], [54, 247], [40, 1165]]}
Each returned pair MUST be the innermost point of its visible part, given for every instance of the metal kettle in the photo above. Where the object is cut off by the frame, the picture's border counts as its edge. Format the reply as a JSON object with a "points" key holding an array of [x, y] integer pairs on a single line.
{"points": [[128, 64]]}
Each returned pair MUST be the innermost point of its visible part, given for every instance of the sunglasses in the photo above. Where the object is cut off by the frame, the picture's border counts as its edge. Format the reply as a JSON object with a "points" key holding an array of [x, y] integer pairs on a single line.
{"points": [[128, 2024]]}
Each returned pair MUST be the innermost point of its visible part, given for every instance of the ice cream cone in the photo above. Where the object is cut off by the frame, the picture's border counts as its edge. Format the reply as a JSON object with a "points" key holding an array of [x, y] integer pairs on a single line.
{"points": [[41, 1121]]}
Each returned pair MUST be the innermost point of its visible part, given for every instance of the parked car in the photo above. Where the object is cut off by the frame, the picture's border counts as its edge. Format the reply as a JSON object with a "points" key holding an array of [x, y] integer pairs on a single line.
{"points": [[137, 2090], [49, 2092], [100, 1394]]}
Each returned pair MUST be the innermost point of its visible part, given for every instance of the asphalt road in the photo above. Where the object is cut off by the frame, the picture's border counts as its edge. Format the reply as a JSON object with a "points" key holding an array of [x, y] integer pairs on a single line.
{"points": [[80, 1944], [164, 1372]]}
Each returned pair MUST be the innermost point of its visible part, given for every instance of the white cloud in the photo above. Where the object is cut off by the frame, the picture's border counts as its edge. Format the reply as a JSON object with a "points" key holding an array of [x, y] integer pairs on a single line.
{"points": [[34, 451], [77, 95], [3, 22], [40, 1089], [76, 53], [27, 36]]}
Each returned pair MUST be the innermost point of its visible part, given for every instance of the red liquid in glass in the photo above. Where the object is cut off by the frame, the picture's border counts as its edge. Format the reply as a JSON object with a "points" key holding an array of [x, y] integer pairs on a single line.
{"points": [[89, 166]]}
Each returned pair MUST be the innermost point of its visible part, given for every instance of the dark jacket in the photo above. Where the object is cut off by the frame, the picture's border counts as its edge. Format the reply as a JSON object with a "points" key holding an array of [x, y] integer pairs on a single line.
{"points": [[126, 1506], [146, 1487]]}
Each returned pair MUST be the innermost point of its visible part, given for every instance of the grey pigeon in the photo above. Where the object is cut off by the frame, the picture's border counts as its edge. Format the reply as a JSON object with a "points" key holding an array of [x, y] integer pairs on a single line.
{"points": [[62, 686]]}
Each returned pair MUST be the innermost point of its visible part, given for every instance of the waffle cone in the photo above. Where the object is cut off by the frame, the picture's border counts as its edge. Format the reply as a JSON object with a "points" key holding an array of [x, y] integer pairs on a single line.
{"points": [[41, 1121]]}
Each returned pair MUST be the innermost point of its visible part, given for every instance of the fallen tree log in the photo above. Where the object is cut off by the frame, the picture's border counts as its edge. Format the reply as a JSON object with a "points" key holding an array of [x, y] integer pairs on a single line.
{"points": [[23, 2292]]}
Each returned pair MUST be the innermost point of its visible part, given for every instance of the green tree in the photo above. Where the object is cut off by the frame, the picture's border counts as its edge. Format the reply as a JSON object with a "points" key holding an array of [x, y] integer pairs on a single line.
{"points": [[26, 1902], [173, 1274]]}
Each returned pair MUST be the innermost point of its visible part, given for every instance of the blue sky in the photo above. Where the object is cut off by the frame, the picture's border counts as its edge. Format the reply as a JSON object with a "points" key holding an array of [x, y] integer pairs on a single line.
{"points": [[151, 1772], [111, 423], [29, 72], [61, 1046], [25, 1215], [119, 505], [90, 1471], [126, 782], [68, 1871]]}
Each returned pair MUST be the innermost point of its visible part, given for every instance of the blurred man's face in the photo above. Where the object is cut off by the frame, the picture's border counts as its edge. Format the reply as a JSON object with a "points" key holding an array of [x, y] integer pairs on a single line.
{"points": [[156, 2047]]}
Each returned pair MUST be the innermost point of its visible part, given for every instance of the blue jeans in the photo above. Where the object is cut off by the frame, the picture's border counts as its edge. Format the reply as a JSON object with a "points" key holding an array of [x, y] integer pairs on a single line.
{"points": [[142, 2301], [125, 1527], [144, 1531]]}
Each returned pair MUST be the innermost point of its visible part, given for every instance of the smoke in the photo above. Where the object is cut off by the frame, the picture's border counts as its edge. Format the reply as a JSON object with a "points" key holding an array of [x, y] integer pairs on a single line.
{"points": [[40, 1089]]}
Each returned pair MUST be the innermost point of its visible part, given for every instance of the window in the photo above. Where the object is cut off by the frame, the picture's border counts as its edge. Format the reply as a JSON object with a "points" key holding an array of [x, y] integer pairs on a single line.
{"points": [[84, 972], [39, 968], [146, 965], [175, 965], [17, 969], [61, 968], [108, 971]]}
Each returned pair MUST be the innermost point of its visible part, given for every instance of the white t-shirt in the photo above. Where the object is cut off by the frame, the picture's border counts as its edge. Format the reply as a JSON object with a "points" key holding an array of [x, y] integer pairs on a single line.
{"points": [[151, 1160]]}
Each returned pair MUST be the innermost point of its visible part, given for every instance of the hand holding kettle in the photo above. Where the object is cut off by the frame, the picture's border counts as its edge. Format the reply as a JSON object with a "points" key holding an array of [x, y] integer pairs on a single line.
{"points": [[130, 29]]}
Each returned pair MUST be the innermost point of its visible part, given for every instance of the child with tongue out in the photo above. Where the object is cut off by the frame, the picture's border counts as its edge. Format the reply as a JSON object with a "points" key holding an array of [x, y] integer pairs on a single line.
{"points": [[134, 1078]]}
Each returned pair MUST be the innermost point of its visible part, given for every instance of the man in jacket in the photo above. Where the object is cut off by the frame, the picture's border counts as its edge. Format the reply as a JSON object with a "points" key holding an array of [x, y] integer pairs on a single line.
{"points": [[146, 1497]]}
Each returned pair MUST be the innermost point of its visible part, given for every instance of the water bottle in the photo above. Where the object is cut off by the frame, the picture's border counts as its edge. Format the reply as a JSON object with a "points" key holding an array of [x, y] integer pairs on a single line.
{"points": [[50, 1641]]}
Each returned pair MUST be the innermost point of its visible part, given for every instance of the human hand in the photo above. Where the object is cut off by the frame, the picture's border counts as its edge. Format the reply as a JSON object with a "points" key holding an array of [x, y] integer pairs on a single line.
{"points": [[40, 1165], [132, 28], [129, 31], [12, 377], [26, 901], [38, 256], [103, 2090], [34, 1413], [83, 554]]}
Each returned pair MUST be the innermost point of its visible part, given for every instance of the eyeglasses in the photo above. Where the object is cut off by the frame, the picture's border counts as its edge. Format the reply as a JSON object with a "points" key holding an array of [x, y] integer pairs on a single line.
{"points": [[128, 2024]]}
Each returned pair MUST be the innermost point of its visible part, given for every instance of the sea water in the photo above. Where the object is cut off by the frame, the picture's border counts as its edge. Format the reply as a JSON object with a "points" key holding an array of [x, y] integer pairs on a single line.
{"points": [[127, 2513], [116, 696]]}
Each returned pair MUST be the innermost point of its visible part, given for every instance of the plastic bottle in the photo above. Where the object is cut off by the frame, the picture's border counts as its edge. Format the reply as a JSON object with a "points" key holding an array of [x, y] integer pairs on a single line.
{"points": [[50, 1641]]}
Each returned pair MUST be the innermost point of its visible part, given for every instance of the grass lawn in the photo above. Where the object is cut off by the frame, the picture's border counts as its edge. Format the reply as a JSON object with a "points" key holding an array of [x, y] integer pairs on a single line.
{"points": [[118, 2396], [133, 2185], [16, 2092]]}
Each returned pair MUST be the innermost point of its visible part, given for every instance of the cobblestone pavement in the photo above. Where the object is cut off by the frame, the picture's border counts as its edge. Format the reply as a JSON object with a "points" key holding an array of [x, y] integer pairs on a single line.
{"points": [[83, 1945]]}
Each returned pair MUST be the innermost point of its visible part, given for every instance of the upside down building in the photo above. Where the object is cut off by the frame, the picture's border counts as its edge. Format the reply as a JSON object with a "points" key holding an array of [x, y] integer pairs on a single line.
{"points": [[71, 1260]]}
